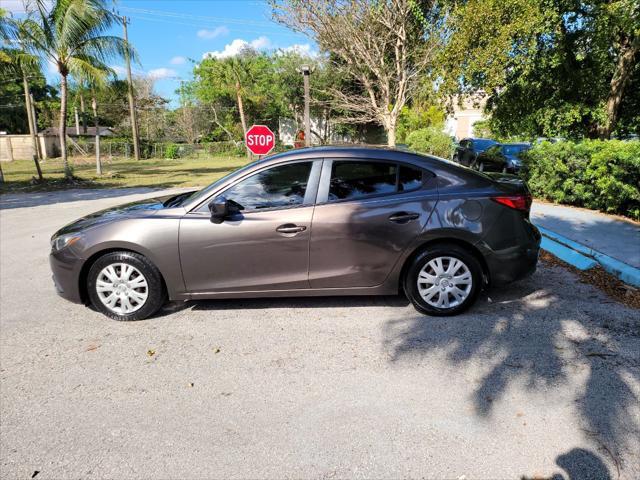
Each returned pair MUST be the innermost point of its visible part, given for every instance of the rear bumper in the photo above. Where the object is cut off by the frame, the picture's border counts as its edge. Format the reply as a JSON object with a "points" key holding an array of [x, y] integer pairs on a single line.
{"points": [[66, 269], [515, 263]]}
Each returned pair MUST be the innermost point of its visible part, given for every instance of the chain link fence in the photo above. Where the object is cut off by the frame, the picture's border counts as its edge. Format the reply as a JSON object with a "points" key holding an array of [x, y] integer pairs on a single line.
{"points": [[123, 150]]}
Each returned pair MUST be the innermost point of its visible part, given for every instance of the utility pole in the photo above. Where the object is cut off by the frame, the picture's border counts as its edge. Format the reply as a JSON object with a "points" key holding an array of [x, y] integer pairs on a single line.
{"points": [[132, 106], [306, 71]]}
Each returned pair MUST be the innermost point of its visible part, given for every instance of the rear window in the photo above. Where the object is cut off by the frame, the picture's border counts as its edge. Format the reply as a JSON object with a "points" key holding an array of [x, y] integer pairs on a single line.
{"points": [[514, 149], [483, 144], [350, 180]]}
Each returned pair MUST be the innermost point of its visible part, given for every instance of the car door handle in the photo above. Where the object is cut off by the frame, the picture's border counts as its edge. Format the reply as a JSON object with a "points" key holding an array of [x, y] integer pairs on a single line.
{"points": [[403, 217], [290, 228]]}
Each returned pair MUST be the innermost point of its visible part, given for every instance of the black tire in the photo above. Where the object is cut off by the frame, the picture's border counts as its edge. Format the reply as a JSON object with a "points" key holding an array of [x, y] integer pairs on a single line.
{"points": [[156, 291], [442, 250]]}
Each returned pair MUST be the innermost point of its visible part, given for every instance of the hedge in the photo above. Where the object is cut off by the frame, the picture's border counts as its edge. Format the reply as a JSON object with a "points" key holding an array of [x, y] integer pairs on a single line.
{"points": [[431, 140], [598, 174]]}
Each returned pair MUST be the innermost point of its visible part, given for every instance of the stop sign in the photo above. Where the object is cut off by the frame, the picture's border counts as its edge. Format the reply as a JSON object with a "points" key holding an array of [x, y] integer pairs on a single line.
{"points": [[260, 139]]}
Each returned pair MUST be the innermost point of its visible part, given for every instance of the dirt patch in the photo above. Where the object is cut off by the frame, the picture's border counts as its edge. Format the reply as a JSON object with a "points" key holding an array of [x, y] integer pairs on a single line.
{"points": [[600, 278]]}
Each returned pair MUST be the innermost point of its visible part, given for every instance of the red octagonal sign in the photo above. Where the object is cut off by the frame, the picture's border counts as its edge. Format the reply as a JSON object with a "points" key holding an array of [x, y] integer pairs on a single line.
{"points": [[260, 139]]}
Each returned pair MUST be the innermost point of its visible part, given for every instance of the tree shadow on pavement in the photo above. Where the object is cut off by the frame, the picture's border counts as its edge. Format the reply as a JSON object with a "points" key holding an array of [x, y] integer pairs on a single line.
{"points": [[536, 332]]}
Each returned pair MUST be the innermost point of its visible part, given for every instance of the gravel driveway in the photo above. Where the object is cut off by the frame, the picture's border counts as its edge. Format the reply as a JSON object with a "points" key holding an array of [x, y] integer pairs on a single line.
{"points": [[538, 379]]}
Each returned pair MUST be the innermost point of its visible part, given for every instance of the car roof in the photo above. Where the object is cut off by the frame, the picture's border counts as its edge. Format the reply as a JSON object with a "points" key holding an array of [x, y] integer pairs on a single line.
{"points": [[350, 151]]}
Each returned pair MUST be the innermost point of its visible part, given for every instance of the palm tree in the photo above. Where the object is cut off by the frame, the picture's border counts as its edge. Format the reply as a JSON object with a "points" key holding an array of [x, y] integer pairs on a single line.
{"points": [[71, 36]]}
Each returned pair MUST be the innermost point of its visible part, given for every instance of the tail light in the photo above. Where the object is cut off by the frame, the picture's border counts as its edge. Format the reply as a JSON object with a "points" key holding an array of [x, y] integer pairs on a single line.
{"points": [[517, 202]]}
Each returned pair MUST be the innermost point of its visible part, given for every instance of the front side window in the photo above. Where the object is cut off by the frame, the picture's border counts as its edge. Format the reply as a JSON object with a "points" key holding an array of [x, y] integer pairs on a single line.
{"points": [[351, 180], [277, 187]]}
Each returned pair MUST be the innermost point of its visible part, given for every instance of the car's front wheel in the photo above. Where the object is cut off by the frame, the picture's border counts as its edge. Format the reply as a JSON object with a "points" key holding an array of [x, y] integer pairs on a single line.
{"points": [[444, 280], [125, 286]]}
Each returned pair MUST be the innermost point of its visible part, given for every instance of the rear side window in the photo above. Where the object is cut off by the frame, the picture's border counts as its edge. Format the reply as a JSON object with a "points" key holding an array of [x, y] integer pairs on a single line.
{"points": [[351, 180], [409, 178]]}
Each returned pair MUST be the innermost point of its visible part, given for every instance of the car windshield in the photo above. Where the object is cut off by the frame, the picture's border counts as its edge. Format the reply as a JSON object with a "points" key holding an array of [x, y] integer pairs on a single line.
{"points": [[514, 149], [200, 194], [482, 144]]}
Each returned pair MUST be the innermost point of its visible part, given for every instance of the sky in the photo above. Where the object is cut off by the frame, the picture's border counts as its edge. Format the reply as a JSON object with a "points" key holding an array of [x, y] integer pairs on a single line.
{"points": [[169, 35]]}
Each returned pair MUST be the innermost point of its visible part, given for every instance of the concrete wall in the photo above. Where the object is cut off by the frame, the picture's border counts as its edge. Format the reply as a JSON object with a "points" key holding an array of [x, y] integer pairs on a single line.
{"points": [[20, 147]]}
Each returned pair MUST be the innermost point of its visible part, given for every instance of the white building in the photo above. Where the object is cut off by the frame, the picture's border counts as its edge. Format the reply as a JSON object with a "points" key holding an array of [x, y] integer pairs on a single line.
{"points": [[459, 123]]}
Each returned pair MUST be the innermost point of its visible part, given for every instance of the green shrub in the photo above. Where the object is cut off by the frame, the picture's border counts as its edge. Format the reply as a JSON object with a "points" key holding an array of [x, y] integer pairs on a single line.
{"points": [[597, 174], [172, 151], [431, 140]]}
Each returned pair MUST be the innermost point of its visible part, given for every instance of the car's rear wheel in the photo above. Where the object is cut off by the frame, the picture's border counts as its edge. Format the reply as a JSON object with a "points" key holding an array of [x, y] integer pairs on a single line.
{"points": [[443, 280], [125, 286]]}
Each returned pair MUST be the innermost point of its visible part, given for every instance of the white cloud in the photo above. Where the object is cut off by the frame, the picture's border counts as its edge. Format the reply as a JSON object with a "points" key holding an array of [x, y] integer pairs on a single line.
{"points": [[236, 46], [160, 73], [178, 61], [119, 69], [19, 6], [302, 49], [216, 32]]}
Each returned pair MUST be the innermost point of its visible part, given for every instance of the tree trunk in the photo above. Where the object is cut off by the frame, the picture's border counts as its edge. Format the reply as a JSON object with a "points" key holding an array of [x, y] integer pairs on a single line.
{"points": [[31, 120], [75, 113], [94, 106], [390, 121], [83, 114], [619, 82], [242, 120], [63, 125]]}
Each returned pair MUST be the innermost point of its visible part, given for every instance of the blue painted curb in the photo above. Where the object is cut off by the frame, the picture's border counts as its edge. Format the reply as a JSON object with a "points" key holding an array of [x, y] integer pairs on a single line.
{"points": [[567, 254], [584, 258]]}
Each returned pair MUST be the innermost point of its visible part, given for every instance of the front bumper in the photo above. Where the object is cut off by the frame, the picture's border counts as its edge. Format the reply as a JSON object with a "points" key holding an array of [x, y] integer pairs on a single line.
{"points": [[66, 268]]}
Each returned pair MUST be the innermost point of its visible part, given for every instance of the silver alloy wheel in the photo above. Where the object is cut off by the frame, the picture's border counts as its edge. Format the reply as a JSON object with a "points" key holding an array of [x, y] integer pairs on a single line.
{"points": [[122, 288], [445, 282]]}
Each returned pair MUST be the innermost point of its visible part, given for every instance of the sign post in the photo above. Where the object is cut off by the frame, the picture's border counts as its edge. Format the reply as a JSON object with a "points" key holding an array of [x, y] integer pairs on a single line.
{"points": [[260, 140]]}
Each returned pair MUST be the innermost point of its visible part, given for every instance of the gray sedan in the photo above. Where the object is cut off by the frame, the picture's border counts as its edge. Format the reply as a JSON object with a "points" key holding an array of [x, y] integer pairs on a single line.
{"points": [[317, 221]]}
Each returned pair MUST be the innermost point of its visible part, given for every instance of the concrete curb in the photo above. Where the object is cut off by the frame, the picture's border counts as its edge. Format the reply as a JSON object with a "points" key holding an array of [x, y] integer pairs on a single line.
{"points": [[584, 258]]}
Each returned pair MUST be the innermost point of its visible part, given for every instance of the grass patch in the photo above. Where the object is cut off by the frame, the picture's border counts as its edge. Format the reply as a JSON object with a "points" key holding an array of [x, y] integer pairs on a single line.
{"points": [[19, 175]]}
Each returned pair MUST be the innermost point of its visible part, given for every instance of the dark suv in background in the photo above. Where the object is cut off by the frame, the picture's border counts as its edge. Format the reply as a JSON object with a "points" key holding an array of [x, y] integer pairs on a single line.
{"points": [[502, 157], [468, 149]]}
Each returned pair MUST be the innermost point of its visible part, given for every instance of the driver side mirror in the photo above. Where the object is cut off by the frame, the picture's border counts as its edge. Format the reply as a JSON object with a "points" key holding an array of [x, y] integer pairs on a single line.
{"points": [[221, 209]]}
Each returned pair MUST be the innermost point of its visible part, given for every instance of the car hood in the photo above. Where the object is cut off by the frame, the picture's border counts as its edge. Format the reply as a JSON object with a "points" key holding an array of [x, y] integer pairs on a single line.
{"points": [[140, 208]]}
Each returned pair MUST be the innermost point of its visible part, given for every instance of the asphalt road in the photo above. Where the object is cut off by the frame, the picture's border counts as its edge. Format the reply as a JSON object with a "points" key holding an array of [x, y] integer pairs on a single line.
{"points": [[538, 379]]}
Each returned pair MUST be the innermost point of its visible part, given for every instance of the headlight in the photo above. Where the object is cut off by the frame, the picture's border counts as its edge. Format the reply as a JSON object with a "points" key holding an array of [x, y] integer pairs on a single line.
{"points": [[63, 241]]}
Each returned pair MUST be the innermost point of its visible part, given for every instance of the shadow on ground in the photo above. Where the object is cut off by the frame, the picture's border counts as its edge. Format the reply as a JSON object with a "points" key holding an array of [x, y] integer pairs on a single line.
{"points": [[533, 331]]}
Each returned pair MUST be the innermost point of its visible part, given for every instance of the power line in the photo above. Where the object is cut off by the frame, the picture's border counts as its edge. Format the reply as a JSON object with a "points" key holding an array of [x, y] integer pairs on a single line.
{"points": [[166, 13]]}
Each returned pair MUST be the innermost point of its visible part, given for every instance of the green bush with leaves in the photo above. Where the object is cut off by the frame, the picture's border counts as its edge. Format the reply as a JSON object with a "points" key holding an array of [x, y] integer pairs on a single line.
{"points": [[598, 174], [172, 151], [431, 140]]}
